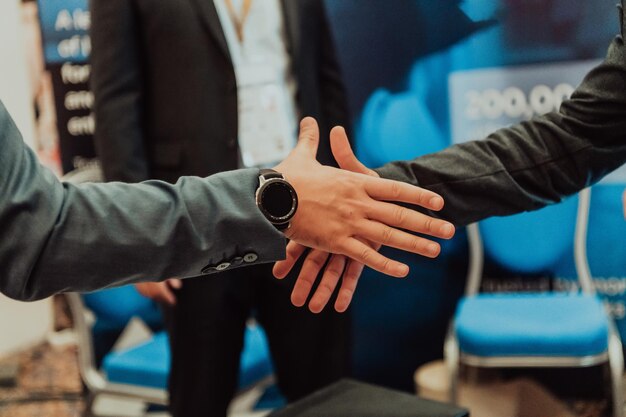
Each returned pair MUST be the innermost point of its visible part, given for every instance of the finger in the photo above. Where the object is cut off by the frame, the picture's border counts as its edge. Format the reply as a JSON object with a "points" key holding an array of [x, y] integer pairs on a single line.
{"points": [[175, 283], [360, 252], [342, 151], [348, 285], [388, 236], [167, 296], [388, 190], [326, 287], [282, 268], [404, 218], [309, 137], [311, 267]]}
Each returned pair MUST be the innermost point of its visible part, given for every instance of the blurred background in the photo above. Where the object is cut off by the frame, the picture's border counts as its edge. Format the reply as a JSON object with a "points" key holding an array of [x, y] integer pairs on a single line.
{"points": [[420, 75]]}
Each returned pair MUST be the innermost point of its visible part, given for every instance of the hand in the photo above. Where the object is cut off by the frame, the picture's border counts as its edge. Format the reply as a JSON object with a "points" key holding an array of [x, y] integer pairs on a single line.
{"points": [[367, 243], [161, 292], [338, 210]]}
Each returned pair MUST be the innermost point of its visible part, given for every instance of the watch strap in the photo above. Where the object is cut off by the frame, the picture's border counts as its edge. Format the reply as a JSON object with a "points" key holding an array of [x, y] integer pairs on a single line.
{"points": [[270, 173]]}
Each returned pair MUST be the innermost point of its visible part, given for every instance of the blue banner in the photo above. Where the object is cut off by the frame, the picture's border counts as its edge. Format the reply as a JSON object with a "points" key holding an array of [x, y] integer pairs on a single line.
{"points": [[65, 30], [66, 43]]}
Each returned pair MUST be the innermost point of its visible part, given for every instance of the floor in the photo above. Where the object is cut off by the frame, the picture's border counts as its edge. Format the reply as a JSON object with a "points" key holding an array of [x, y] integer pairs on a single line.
{"points": [[48, 385]]}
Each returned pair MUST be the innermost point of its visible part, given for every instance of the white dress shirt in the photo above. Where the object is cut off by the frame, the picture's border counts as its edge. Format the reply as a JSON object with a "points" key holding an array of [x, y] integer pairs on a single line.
{"points": [[264, 44]]}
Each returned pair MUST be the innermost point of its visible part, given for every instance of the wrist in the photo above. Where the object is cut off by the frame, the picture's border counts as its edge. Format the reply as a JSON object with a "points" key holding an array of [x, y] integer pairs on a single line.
{"points": [[276, 198]]}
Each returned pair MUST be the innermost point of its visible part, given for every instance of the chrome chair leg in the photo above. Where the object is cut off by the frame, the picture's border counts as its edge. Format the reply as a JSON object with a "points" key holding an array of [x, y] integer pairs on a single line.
{"points": [[452, 358], [616, 364]]}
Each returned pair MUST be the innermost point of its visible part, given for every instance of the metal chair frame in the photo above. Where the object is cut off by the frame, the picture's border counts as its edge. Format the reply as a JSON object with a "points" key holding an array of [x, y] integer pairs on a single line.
{"points": [[94, 380], [454, 357], [97, 383]]}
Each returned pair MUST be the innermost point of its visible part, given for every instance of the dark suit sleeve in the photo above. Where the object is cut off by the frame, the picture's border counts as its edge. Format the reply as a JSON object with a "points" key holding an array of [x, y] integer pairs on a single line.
{"points": [[61, 237], [117, 85], [333, 91], [534, 163]]}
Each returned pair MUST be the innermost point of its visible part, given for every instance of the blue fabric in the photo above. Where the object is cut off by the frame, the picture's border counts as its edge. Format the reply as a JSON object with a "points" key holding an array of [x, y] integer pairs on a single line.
{"points": [[148, 364], [115, 307], [386, 132], [548, 324], [532, 242]]}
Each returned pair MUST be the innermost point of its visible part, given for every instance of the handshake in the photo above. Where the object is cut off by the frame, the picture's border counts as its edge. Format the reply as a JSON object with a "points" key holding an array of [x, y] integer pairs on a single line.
{"points": [[343, 218]]}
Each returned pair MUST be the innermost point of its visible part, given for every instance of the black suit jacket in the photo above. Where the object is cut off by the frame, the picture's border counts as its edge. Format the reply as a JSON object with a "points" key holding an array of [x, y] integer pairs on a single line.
{"points": [[535, 163], [165, 88]]}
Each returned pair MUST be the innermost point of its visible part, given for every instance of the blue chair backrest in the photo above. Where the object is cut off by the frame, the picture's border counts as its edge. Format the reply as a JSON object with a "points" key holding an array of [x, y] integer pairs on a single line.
{"points": [[114, 307], [532, 242], [396, 127]]}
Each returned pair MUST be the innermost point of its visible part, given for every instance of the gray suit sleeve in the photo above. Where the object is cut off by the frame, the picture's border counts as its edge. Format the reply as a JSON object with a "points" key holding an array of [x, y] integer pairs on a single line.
{"points": [[535, 163], [60, 237]]}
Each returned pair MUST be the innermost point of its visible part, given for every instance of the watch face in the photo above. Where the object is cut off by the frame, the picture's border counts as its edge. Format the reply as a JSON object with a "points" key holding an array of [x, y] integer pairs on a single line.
{"points": [[278, 200]]}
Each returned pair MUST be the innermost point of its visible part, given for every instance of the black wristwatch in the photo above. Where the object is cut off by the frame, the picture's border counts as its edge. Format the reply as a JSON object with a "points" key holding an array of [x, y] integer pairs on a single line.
{"points": [[276, 198]]}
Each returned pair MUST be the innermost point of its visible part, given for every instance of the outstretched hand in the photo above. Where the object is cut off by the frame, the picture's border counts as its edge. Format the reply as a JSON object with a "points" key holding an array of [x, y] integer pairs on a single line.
{"points": [[366, 220], [161, 292]]}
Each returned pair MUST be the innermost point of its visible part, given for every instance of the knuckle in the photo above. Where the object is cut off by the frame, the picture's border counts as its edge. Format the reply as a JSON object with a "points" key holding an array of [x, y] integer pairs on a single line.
{"points": [[428, 224], [327, 288], [366, 254], [315, 261], [400, 215], [416, 245], [385, 265], [292, 251], [387, 235], [395, 189], [346, 212], [334, 270]]}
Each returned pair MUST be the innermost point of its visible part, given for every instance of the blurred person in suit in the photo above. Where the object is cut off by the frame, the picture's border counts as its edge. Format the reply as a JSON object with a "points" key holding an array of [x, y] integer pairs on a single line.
{"points": [[197, 87]]}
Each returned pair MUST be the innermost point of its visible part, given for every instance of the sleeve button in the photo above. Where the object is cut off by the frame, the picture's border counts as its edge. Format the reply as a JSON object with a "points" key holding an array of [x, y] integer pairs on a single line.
{"points": [[250, 257], [223, 266]]}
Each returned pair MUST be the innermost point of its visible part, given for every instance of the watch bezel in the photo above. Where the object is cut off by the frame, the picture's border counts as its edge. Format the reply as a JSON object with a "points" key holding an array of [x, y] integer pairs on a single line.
{"points": [[269, 182]]}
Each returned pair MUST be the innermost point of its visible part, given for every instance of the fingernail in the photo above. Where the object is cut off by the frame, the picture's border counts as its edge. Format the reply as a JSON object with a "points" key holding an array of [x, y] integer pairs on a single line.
{"points": [[433, 249], [436, 203], [447, 229], [402, 270]]}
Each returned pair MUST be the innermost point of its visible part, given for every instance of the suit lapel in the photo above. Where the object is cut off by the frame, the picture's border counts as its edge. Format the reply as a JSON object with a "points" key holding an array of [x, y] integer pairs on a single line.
{"points": [[211, 20], [292, 26]]}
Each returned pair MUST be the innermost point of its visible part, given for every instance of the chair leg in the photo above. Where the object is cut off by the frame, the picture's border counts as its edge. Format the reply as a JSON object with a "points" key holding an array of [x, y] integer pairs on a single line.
{"points": [[616, 364], [451, 354]]}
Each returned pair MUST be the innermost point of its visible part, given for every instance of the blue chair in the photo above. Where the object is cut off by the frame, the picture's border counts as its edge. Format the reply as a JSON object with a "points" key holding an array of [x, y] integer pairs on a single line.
{"points": [[141, 372], [534, 329]]}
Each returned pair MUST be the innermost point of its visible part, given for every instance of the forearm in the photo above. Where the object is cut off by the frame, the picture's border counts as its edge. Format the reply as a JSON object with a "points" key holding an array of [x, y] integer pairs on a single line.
{"points": [[60, 237], [154, 230], [535, 163]]}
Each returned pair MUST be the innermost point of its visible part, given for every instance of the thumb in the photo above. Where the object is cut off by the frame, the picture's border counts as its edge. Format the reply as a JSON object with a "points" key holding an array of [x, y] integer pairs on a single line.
{"points": [[342, 151], [309, 138]]}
